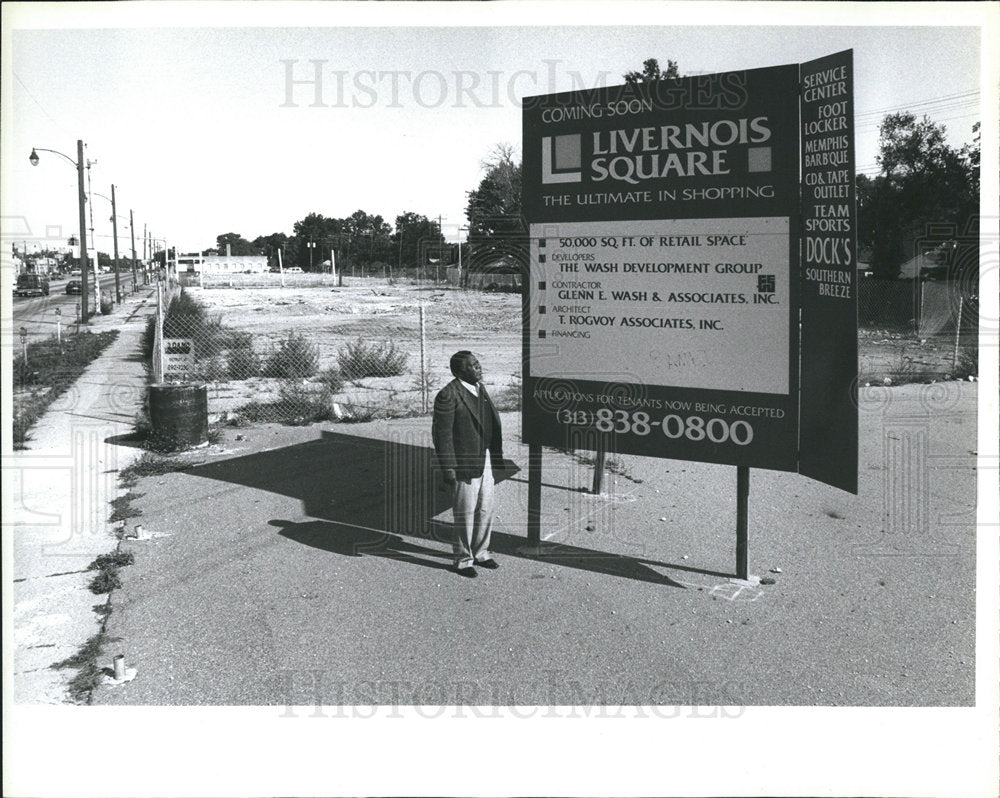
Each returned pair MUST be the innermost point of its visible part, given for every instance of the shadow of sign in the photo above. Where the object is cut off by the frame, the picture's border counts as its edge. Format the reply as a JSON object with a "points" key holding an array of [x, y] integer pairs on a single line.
{"points": [[383, 498]]}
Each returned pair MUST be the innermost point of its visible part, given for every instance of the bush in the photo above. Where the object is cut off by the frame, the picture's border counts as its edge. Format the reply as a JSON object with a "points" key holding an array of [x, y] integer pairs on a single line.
{"points": [[242, 362], [149, 338], [297, 404], [184, 313], [295, 358], [107, 304], [186, 317], [358, 360], [332, 379], [968, 362], [214, 369], [508, 399]]}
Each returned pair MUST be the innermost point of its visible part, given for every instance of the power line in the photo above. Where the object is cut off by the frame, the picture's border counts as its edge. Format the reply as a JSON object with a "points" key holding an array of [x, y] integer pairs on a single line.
{"points": [[928, 108], [961, 97], [35, 101]]}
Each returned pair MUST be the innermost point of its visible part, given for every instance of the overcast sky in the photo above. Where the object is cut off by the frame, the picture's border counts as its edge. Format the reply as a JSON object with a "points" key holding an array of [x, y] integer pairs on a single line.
{"points": [[191, 120]]}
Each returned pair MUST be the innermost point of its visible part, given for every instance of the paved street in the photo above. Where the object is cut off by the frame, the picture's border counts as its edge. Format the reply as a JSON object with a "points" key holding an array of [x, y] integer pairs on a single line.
{"points": [[297, 565], [37, 314]]}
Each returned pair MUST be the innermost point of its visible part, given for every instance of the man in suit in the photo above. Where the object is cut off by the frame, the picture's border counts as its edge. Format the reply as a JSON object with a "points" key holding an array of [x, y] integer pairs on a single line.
{"points": [[469, 445]]}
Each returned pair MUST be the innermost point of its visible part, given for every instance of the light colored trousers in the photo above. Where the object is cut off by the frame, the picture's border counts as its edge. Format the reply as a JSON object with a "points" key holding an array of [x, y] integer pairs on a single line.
{"points": [[473, 509]]}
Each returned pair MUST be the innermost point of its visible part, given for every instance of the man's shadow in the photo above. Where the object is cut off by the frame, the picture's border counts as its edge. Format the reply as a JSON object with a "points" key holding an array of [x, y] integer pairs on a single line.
{"points": [[384, 498], [350, 541]]}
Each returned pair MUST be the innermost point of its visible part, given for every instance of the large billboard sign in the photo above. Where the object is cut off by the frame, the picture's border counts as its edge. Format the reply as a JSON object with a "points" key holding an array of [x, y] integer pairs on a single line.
{"points": [[662, 302]]}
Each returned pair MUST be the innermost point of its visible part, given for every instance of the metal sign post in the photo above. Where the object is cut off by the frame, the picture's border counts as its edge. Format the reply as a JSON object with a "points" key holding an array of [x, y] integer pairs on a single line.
{"points": [[534, 495], [742, 521]]}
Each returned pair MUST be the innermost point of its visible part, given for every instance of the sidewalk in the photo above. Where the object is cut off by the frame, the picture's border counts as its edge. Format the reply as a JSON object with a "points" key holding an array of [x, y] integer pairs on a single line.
{"points": [[56, 496]]}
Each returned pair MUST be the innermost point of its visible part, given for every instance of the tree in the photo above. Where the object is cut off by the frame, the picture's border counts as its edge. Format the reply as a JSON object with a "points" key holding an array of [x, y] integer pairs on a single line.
{"points": [[238, 244], [270, 245], [415, 236], [496, 227], [369, 237], [322, 232], [923, 182], [651, 72]]}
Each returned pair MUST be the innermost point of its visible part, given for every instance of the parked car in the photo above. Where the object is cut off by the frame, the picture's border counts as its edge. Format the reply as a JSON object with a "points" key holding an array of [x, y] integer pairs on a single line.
{"points": [[293, 270], [74, 287], [32, 285]]}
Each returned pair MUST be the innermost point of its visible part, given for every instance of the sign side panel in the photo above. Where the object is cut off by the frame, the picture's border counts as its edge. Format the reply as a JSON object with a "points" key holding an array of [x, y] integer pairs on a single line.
{"points": [[828, 436]]}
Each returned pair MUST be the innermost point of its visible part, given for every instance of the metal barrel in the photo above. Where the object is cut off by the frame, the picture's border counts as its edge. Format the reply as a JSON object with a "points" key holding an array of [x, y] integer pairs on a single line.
{"points": [[178, 415]]}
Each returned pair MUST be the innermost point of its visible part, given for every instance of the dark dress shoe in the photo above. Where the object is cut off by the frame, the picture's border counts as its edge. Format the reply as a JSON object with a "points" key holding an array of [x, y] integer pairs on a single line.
{"points": [[468, 571], [491, 564]]}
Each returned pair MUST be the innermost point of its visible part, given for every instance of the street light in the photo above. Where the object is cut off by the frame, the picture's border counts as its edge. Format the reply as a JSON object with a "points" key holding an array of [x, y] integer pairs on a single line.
{"points": [[82, 201]]}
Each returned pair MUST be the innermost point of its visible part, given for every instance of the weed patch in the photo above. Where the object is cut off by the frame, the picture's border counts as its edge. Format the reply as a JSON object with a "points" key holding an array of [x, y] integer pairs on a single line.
{"points": [[968, 362], [85, 660], [122, 509], [49, 372], [509, 399], [107, 566], [105, 581], [294, 358], [332, 379], [149, 465], [242, 362], [359, 359], [298, 404], [115, 559]]}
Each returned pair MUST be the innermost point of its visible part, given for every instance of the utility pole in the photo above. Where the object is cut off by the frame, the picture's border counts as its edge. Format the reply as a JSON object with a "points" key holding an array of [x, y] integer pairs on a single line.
{"points": [[83, 232], [93, 239], [114, 230], [437, 266], [131, 225]]}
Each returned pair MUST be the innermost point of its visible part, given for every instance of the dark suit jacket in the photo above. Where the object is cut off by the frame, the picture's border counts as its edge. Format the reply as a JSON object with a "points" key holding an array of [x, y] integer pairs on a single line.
{"points": [[457, 430]]}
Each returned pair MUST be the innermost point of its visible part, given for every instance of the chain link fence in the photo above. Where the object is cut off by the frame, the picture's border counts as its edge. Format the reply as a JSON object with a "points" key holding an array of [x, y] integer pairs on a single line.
{"points": [[354, 349], [917, 330], [320, 351]]}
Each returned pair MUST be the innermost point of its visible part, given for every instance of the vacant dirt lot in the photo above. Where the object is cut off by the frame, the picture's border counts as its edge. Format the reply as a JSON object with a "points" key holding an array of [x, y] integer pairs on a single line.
{"points": [[489, 324], [374, 311]]}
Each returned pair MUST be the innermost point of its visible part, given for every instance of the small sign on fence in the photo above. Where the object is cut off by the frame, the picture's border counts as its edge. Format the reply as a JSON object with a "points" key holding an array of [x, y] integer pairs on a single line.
{"points": [[178, 357]]}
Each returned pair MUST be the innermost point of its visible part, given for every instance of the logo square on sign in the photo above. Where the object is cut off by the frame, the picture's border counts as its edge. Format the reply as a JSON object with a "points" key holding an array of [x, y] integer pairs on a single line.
{"points": [[567, 151], [765, 283], [759, 159], [560, 154]]}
